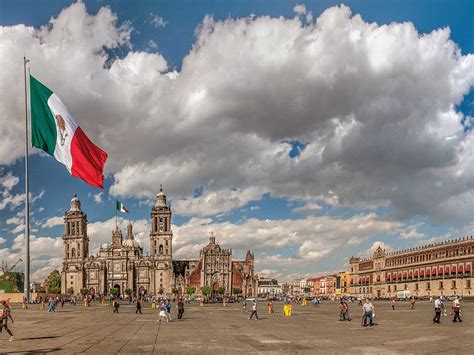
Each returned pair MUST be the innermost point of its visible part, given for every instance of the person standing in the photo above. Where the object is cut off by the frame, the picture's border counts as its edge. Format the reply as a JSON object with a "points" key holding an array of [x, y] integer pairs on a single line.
{"points": [[367, 313], [139, 306], [254, 310], [244, 305], [437, 308], [5, 314], [168, 310], [457, 310], [344, 311], [180, 307], [162, 314], [393, 303], [412, 302]]}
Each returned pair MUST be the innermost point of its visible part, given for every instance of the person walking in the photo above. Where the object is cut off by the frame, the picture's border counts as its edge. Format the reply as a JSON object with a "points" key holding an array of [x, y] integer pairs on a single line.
{"points": [[5, 314], [254, 310], [412, 302], [457, 310], [367, 313], [51, 305], [244, 305], [168, 310], [162, 315], [270, 307], [139, 306], [180, 307], [344, 311], [393, 303], [116, 304], [437, 308]]}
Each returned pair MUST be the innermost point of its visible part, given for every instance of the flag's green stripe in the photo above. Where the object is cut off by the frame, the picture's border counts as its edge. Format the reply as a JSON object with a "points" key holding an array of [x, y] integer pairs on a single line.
{"points": [[118, 205], [43, 128]]}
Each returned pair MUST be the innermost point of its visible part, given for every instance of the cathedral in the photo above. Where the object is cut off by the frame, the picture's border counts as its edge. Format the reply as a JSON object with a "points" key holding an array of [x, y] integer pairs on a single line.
{"points": [[122, 265]]}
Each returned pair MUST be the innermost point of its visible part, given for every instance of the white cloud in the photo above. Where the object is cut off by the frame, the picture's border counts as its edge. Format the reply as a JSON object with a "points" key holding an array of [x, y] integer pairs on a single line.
{"points": [[411, 234], [98, 197], [312, 238], [152, 44], [300, 9], [2, 240], [53, 222], [309, 208], [374, 104], [15, 220], [158, 21]]}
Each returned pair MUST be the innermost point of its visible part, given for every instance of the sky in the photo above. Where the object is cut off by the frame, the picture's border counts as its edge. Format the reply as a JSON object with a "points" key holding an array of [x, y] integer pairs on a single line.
{"points": [[307, 132]]}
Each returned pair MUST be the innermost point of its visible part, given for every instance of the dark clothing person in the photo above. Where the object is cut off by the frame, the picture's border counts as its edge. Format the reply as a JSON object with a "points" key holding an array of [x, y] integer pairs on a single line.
{"points": [[139, 307], [180, 309], [4, 315], [116, 306], [254, 310], [437, 306]]}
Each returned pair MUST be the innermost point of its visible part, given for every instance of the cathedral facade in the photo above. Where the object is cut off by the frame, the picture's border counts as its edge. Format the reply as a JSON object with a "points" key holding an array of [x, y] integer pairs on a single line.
{"points": [[122, 265]]}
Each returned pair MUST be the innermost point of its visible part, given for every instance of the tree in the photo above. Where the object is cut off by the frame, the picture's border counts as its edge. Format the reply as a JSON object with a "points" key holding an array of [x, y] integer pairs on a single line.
{"points": [[70, 291], [55, 290], [236, 291], [221, 290], [84, 291], [190, 290], [114, 291], [53, 282], [206, 290], [128, 292]]}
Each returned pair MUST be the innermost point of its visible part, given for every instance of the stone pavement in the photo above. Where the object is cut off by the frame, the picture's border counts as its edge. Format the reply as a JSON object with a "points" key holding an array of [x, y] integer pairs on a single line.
{"points": [[216, 329]]}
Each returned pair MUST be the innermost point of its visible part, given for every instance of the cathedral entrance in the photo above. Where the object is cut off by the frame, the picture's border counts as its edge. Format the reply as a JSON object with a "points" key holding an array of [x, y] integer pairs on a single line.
{"points": [[117, 286], [215, 288], [142, 290]]}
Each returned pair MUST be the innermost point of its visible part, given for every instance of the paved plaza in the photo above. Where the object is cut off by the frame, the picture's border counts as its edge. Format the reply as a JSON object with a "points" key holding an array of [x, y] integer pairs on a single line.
{"points": [[213, 328]]}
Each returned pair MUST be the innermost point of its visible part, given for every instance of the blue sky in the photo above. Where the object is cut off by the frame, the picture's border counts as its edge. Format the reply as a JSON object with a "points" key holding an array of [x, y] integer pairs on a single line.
{"points": [[237, 172]]}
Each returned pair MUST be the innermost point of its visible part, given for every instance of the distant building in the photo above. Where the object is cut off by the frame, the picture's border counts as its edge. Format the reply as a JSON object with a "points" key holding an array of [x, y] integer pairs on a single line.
{"points": [[443, 268], [268, 287]]}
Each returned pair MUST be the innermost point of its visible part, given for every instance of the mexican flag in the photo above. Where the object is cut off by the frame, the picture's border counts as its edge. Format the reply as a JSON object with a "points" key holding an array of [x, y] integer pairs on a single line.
{"points": [[55, 131], [121, 207]]}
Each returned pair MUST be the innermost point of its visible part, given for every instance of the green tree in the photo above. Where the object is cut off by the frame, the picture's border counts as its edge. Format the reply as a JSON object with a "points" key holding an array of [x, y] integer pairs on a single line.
{"points": [[221, 290], [53, 282], [128, 292], [206, 290], [114, 291], [84, 291], [236, 291], [190, 290], [70, 291]]}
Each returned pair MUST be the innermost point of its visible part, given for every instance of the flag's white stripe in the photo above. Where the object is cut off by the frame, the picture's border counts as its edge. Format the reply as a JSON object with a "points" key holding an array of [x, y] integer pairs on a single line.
{"points": [[62, 151]]}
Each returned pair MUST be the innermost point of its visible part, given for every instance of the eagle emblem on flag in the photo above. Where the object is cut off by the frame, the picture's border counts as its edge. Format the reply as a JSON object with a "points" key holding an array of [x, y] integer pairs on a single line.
{"points": [[62, 128]]}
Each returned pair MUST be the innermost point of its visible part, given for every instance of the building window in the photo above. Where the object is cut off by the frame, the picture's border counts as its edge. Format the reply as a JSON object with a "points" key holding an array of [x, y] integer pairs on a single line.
{"points": [[406, 287], [453, 284], [468, 283], [440, 285], [394, 287], [428, 286], [72, 277], [388, 288], [161, 249], [416, 286], [161, 274]]}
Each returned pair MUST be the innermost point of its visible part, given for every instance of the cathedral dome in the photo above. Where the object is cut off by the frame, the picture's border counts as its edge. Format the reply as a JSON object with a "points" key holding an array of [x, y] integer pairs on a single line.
{"points": [[75, 204], [161, 198], [131, 243]]}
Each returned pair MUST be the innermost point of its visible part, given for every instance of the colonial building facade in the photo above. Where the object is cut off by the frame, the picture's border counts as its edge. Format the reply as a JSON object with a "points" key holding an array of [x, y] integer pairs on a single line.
{"points": [[436, 269], [122, 265]]}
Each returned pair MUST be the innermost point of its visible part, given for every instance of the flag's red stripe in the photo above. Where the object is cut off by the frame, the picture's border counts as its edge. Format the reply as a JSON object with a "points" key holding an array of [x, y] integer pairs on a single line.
{"points": [[124, 208], [88, 160]]}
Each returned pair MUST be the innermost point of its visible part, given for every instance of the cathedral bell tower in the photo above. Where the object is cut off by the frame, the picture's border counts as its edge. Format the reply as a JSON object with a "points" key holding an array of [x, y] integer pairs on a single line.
{"points": [[161, 236], [76, 247]]}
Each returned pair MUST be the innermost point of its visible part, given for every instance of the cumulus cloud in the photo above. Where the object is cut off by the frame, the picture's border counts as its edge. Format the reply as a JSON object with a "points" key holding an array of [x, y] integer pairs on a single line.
{"points": [[411, 234], [309, 208], [53, 222], [2, 240], [306, 240], [98, 197], [375, 106]]}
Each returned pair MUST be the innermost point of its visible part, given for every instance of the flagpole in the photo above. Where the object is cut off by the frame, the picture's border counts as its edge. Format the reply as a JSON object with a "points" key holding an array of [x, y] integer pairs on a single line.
{"points": [[116, 223], [27, 194]]}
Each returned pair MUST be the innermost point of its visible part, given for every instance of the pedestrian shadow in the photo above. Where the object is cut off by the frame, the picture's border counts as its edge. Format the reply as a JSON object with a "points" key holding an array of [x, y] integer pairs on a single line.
{"points": [[34, 351], [42, 337]]}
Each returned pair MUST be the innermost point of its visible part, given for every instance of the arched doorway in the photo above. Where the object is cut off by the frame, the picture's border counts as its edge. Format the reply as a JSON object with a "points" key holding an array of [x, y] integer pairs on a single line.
{"points": [[215, 288], [119, 291]]}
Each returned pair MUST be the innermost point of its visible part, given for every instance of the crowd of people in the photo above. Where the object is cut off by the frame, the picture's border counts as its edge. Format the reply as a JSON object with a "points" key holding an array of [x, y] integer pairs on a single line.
{"points": [[164, 307]]}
